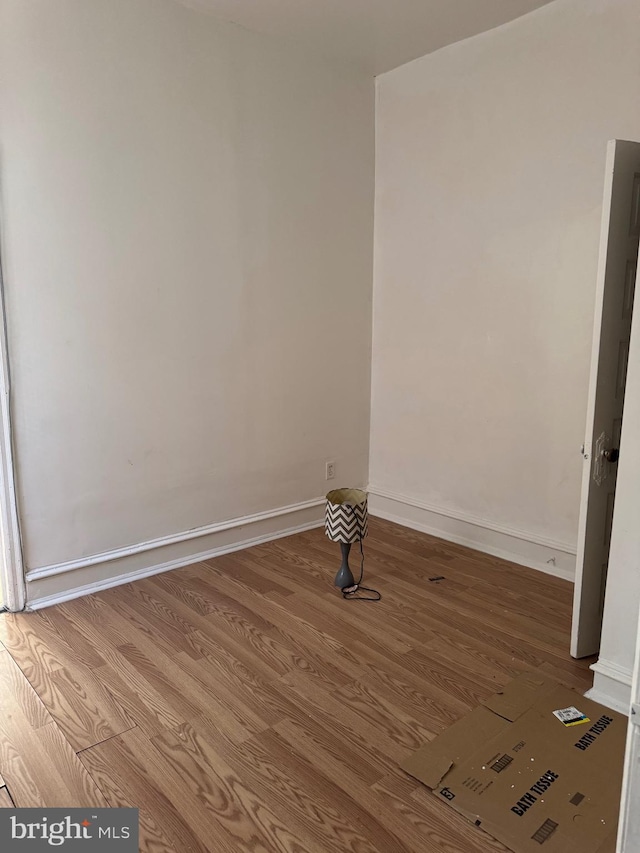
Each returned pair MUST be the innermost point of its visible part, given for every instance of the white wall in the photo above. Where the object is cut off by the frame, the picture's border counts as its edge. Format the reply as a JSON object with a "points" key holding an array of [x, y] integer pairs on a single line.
{"points": [[489, 171], [187, 215]]}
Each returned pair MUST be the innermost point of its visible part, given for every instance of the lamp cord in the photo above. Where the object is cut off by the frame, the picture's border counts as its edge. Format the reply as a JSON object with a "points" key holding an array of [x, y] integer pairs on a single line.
{"points": [[350, 592]]}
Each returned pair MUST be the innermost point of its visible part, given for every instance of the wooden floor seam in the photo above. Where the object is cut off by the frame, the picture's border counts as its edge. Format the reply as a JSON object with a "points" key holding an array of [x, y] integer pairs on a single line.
{"points": [[242, 705]]}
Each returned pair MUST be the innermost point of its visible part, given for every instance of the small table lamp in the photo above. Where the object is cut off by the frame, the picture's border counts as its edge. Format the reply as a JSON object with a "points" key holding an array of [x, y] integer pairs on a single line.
{"points": [[345, 522]]}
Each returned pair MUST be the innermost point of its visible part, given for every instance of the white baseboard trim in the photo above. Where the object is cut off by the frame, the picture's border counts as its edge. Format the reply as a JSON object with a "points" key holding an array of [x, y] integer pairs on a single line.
{"points": [[611, 685], [54, 584], [614, 671], [551, 556], [163, 541], [608, 701]]}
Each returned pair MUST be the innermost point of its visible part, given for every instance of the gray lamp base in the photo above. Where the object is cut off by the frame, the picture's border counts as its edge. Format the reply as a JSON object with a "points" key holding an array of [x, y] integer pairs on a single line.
{"points": [[344, 578]]}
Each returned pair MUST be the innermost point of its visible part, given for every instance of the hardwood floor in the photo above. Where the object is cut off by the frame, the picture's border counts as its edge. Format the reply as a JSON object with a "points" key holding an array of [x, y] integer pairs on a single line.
{"points": [[242, 705]]}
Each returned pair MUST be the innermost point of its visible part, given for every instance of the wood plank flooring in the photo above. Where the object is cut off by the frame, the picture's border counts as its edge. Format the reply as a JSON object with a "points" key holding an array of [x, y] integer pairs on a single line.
{"points": [[242, 705]]}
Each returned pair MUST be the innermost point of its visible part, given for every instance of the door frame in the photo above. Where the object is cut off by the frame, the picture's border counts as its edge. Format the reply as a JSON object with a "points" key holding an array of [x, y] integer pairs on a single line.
{"points": [[629, 822], [11, 563]]}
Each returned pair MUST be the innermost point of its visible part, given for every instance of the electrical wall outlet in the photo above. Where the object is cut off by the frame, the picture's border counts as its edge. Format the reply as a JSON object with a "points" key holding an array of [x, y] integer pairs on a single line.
{"points": [[330, 472]]}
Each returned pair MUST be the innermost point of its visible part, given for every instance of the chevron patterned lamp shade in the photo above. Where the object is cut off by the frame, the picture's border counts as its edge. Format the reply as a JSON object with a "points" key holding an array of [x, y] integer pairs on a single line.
{"points": [[346, 519], [346, 515]]}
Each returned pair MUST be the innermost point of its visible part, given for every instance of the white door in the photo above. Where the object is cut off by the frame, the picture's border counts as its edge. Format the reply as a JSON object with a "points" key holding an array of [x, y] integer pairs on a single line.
{"points": [[612, 329]]}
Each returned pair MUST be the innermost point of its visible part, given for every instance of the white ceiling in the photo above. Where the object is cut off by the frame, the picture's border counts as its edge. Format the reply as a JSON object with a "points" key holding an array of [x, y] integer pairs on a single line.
{"points": [[376, 34]]}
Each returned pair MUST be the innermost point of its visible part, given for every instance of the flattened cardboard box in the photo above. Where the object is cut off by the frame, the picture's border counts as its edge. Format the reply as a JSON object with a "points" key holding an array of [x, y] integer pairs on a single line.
{"points": [[537, 766]]}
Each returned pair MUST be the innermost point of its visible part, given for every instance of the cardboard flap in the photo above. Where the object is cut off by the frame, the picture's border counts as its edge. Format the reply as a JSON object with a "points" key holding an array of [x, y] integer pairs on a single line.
{"points": [[431, 763], [429, 769], [609, 845], [531, 778], [519, 696]]}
